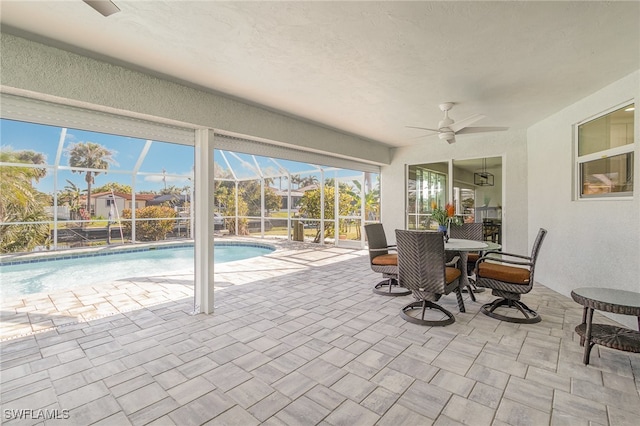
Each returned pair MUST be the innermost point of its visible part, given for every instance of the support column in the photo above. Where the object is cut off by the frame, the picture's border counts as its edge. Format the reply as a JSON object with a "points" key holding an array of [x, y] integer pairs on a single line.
{"points": [[204, 205]]}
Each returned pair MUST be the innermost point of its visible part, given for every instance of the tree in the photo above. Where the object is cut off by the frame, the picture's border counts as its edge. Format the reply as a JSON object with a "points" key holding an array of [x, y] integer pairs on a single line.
{"points": [[21, 202], [89, 155], [153, 229], [310, 207], [171, 190], [115, 186], [225, 195], [308, 181], [371, 200], [32, 157], [70, 196], [295, 180], [250, 191]]}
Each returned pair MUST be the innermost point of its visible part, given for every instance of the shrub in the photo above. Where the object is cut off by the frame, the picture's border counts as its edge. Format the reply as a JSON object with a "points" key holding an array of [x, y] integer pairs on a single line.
{"points": [[154, 229]]}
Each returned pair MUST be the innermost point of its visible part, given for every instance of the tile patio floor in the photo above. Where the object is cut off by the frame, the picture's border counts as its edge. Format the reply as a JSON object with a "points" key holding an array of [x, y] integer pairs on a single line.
{"points": [[298, 338]]}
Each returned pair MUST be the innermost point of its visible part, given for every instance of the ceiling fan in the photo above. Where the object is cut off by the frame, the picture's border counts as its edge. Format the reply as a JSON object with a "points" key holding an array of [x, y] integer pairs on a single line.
{"points": [[104, 7], [448, 128]]}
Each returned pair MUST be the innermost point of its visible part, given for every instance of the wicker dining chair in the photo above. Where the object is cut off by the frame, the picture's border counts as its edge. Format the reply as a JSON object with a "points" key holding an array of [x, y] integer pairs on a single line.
{"points": [[509, 282], [468, 231], [383, 261], [422, 269]]}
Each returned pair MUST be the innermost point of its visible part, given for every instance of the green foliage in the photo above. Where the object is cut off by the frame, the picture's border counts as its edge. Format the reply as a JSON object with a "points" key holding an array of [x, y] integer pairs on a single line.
{"points": [[32, 157], [248, 203], [117, 187], [310, 207], [21, 202], [371, 198], [150, 230], [300, 182], [250, 192], [172, 190], [225, 195], [70, 196], [442, 216], [89, 155]]}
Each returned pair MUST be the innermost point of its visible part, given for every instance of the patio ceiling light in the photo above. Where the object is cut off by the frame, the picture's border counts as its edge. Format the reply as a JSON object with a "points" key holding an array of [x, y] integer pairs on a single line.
{"points": [[483, 178]]}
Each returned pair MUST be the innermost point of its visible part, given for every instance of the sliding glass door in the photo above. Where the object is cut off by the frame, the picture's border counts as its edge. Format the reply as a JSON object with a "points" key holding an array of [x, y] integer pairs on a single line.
{"points": [[426, 184]]}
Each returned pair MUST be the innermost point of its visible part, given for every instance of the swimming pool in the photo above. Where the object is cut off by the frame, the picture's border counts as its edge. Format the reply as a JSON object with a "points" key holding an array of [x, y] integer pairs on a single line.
{"points": [[47, 275]]}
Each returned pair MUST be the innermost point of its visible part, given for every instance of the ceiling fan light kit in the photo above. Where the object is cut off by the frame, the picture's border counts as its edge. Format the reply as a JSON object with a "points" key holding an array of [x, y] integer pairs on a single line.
{"points": [[447, 136]]}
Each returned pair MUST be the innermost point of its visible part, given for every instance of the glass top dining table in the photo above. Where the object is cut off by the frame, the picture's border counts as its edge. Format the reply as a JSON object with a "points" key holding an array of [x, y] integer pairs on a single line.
{"points": [[462, 247], [457, 244]]}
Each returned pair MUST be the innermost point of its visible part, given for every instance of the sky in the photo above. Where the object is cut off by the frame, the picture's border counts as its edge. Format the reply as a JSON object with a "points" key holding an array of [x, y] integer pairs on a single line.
{"points": [[175, 160]]}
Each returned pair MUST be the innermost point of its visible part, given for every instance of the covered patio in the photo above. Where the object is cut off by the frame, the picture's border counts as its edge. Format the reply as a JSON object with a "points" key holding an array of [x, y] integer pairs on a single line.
{"points": [[299, 338]]}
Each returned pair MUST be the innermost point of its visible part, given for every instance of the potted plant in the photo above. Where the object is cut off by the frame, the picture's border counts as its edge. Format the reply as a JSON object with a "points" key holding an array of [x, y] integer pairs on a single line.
{"points": [[444, 217]]}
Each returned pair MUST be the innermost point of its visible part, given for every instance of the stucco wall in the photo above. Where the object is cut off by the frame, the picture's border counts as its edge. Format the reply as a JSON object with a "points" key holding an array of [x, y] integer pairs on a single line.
{"points": [[45, 71], [594, 243], [511, 145]]}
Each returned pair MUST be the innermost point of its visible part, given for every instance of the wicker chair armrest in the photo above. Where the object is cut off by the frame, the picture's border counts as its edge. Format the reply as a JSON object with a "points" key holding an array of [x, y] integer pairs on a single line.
{"points": [[501, 260], [520, 256], [486, 252], [503, 253], [389, 248]]}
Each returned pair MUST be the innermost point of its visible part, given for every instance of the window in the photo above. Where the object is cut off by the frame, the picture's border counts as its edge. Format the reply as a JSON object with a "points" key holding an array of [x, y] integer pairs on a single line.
{"points": [[426, 184], [49, 203], [605, 155]]}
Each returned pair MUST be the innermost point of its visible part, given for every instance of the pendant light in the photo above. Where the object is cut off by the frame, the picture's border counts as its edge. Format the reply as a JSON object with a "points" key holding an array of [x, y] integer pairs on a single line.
{"points": [[483, 178]]}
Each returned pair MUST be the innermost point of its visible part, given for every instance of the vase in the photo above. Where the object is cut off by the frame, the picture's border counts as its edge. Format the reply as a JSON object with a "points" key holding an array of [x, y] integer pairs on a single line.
{"points": [[445, 233]]}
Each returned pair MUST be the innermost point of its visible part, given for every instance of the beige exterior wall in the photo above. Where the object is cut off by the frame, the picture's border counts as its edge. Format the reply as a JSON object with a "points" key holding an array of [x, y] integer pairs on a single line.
{"points": [[591, 243]]}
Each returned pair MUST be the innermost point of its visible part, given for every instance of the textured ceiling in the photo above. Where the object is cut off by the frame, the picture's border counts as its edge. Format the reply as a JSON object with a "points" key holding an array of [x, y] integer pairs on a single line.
{"points": [[367, 68]]}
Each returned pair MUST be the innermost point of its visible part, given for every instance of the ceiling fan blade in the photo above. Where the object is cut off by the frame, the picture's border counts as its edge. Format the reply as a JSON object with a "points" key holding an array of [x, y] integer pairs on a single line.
{"points": [[480, 130], [424, 128], [104, 7], [422, 136], [467, 121]]}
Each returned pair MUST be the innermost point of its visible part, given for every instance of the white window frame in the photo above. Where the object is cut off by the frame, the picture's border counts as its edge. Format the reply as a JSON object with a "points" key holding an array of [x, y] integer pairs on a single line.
{"points": [[611, 152]]}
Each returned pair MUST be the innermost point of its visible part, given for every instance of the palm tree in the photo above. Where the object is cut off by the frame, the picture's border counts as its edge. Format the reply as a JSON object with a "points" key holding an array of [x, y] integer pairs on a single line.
{"points": [[295, 180], [33, 158], [308, 181], [70, 195], [89, 155], [21, 202]]}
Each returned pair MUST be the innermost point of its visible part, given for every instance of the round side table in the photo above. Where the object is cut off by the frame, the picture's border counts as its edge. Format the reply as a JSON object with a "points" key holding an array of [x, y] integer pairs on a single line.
{"points": [[607, 300]]}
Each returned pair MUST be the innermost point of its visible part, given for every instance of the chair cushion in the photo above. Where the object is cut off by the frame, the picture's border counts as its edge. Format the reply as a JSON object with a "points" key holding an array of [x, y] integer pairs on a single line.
{"points": [[451, 274], [499, 272], [386, 260]]}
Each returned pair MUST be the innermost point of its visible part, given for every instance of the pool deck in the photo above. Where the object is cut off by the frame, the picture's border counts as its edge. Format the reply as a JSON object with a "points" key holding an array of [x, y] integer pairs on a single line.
{"points": [[40, 312], [298, 338]]}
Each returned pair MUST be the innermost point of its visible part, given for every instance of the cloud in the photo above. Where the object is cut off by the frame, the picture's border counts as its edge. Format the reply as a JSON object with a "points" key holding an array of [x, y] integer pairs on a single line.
{"points": [[169, 178]]}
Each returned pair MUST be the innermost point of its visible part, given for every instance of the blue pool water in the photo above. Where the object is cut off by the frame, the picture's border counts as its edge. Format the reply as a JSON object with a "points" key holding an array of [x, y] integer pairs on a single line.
{"points": [[47, 276]]}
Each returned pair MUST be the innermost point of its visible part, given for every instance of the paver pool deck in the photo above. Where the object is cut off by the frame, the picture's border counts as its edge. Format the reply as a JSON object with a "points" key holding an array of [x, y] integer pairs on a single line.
{"points": [[299, 338]]}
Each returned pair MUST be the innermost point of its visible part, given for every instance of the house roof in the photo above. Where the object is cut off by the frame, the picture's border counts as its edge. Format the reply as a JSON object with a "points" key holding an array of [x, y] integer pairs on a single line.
{"points": [[168, 197], [366, 68], [284, 192]]}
